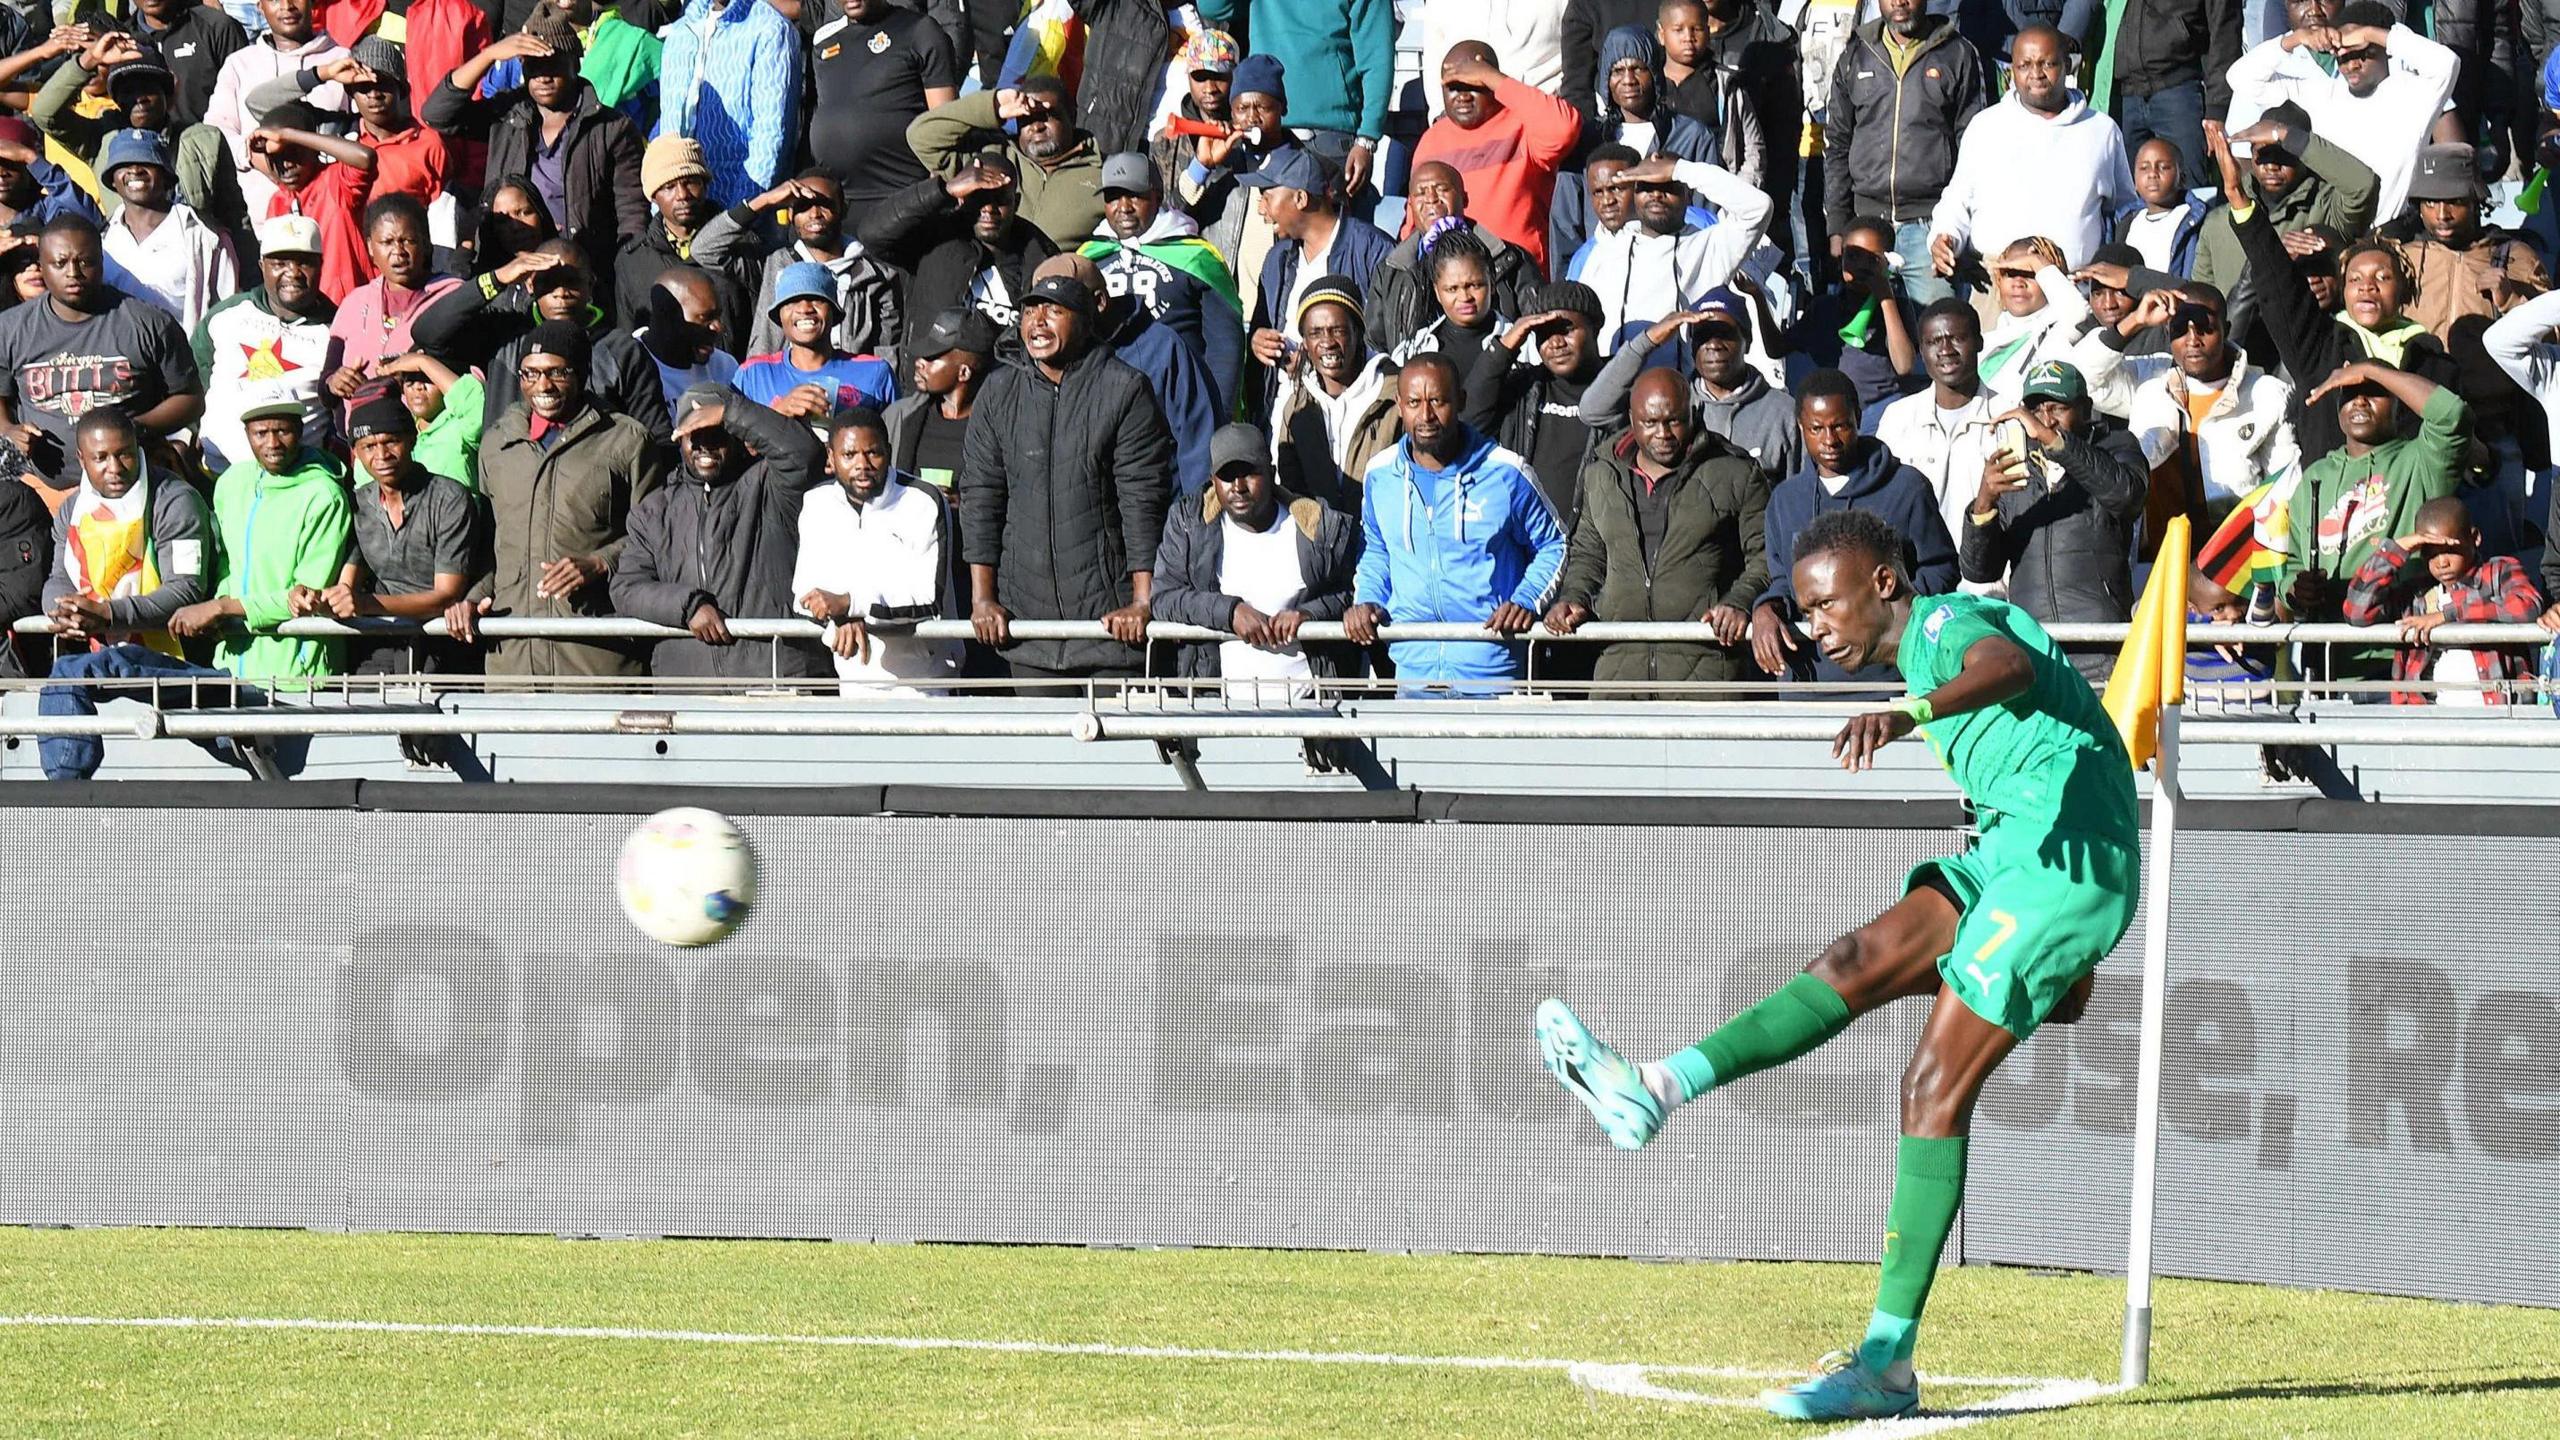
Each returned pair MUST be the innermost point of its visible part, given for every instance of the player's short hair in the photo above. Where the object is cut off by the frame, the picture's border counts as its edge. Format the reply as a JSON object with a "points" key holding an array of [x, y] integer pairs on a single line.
{"points": [[398, 205], [2393, 260], [860, 417], [1951, 307], [73, 223], [1457, 246], [1615, 153], [1860, 533], [2206, 294], [1448, 368], [1828, 385], [112, 418]]}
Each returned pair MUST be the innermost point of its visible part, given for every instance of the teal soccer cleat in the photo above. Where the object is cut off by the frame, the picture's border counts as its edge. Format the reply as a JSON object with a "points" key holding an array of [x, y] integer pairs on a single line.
{"points": [[1848, 1390], [1598, 1076]]}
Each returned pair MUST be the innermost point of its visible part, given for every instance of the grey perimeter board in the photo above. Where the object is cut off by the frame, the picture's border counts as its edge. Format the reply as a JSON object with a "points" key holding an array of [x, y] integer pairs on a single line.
{"points": [[1244, 1032], [2478, 773]]}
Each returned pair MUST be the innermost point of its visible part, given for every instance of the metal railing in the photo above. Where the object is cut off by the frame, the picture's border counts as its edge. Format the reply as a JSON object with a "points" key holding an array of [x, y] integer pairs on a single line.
{"points": [[1161, 708], [2076, 636]]}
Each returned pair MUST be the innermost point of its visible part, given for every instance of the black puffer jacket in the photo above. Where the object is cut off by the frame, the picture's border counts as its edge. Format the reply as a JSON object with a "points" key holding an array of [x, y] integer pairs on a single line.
{"points": [[2066, 547], [924, 232], [1400, 301], [731, 544], [1063, 487], [1712, 551], [601, 175]]}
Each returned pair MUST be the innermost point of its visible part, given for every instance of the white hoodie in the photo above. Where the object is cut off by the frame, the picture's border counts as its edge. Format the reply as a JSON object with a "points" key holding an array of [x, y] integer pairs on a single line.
{"points": [[1642, 277], [2020, 174]]}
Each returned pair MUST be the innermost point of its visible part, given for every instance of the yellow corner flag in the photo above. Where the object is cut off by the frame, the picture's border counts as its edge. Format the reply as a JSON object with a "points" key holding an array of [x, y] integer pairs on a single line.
{"points": [[2151, 670]]}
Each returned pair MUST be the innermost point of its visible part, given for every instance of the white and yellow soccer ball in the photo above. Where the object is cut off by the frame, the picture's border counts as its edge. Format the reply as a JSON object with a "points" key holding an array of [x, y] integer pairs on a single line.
{"points": [[686, 876]]}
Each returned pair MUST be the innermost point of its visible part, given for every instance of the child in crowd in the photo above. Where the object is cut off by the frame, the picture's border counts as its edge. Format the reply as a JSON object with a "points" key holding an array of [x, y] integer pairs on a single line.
{"points": [[2434, 576]]}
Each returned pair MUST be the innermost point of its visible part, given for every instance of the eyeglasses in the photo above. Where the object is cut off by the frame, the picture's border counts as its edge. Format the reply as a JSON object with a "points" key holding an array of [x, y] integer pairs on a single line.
{"points": [[558, 376], [2196, 318]]}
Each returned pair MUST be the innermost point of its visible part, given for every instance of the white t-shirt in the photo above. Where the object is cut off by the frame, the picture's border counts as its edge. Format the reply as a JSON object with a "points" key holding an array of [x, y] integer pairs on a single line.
{"points": [[2457, 675], [1313, 265], [2156, 236], [1260, 568]]}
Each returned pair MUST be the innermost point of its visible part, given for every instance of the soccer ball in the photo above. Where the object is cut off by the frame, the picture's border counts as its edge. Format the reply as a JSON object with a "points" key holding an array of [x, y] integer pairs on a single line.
{"points": [[686, 876]]}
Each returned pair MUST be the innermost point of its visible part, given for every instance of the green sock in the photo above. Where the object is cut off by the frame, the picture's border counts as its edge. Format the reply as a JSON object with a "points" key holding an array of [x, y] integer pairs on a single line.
{"points": [[1928, 1189], [1804, 1013]]}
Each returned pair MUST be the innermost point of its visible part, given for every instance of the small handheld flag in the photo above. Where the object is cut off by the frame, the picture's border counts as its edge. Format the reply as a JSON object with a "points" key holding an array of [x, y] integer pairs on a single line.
{"points": [[2151, 670]]}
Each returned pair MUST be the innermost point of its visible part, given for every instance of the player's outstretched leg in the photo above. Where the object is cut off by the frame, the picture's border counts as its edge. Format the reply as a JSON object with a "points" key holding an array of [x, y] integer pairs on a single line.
{"points": [[1893, 956], [1957, 1053], [1604, 1081]]}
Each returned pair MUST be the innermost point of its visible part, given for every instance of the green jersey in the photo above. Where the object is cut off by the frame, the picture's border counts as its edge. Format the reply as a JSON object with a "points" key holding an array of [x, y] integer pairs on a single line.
{"points": [[2050, 757]]}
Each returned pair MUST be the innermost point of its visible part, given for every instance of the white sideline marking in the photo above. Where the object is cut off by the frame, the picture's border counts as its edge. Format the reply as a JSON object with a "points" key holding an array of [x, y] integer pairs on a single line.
{"points": [[938, 1342], [1631, 1381]]}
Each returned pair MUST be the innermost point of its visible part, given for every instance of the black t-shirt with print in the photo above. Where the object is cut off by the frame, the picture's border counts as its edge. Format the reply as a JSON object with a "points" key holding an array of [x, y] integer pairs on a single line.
{"points": [[871, 81]]}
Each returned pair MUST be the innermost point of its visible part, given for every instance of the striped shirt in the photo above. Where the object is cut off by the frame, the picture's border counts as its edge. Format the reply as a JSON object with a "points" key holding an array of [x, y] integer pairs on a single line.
{"points": [[730, 80]]}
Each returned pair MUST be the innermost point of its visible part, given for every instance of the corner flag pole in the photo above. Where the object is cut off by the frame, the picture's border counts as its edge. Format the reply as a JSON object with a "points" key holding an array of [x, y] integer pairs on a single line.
{"points": [[2157, 651], [2146, 1102]]}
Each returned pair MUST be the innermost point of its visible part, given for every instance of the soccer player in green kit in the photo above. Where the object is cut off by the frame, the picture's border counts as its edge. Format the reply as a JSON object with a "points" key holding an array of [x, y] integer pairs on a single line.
{"points": [[2003, 935]]}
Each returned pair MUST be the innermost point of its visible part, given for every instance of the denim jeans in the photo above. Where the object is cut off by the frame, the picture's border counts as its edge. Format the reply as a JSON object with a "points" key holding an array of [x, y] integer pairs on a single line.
{"points": [[2177, 116], [77, 757], [1921, 282]]}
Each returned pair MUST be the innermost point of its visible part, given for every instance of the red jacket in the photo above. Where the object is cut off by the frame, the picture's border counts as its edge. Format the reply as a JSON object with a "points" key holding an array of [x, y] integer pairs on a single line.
{"points": [[2496, 592], [1509, 162]]}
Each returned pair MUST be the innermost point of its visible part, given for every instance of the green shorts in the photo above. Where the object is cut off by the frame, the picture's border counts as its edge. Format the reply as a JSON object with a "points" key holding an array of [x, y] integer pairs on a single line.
{"points": [[2039, 909]]}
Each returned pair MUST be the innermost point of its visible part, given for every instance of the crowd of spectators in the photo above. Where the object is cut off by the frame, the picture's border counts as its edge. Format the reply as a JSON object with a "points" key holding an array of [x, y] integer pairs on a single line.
{"points": [[1133, 310]]}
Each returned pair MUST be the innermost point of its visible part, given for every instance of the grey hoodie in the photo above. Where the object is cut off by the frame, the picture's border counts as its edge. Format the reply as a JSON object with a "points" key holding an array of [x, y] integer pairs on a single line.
{"points": [[1758, 420]]}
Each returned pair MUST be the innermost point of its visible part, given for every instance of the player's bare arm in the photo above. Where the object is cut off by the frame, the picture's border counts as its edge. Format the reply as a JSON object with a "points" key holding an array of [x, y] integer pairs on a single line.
{"points": [[1995, 672]]}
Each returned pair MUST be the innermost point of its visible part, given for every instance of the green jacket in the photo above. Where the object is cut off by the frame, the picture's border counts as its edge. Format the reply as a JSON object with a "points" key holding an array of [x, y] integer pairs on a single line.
{"points": [[450, 444], [2347, 505], [2339, 190], [1064, 200], [276, 532], [1712, 552]]}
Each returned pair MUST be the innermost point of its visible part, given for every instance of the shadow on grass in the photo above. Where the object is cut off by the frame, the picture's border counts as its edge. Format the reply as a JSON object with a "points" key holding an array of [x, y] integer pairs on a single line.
{"points": [[2379, 1388]]}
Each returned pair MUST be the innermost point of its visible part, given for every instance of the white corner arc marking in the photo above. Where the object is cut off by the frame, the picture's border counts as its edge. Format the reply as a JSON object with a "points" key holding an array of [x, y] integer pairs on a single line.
{"points": [[1628, 1380]]}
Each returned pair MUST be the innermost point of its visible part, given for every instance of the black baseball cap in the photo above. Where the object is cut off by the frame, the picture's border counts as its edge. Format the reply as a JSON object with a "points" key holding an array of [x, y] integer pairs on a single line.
{"points": [[959, 328], [1064, 291]]}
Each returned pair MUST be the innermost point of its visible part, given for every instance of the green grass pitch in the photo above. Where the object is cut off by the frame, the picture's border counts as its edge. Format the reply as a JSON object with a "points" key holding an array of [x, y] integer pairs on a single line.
{"points": [[2231, 1360]]}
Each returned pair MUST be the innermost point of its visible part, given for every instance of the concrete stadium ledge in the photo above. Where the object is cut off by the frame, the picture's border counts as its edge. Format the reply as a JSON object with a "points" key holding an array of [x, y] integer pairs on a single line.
{"points": [[2305, 816]]}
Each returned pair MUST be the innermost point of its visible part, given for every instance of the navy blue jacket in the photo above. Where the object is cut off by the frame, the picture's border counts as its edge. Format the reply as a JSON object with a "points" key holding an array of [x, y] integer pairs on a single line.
{"points": [[1184, 391], [1883, 487], [1359, 248]]}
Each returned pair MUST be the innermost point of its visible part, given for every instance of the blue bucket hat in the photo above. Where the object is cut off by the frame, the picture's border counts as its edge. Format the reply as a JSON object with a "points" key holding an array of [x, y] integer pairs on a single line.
{"points": [[804, 280], [135, 147]]}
